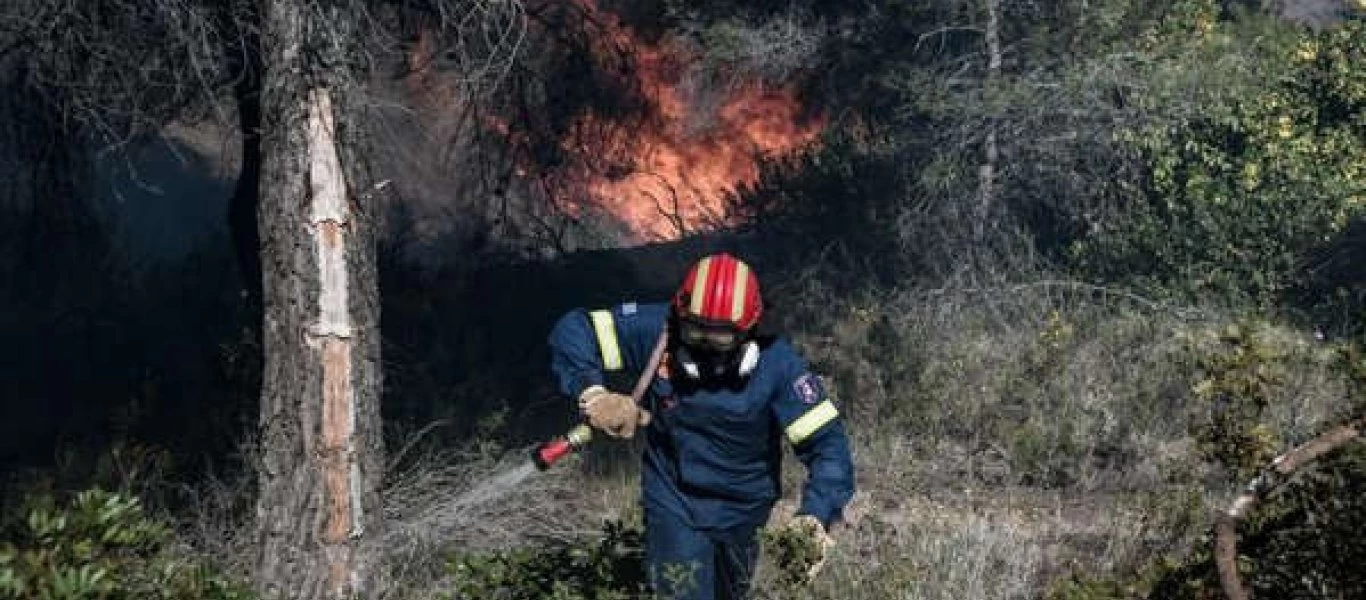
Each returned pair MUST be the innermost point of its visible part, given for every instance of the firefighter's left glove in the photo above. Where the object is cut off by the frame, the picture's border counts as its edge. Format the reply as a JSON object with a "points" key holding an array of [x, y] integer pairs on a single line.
{"points": [[821, 542], [615, 414]]}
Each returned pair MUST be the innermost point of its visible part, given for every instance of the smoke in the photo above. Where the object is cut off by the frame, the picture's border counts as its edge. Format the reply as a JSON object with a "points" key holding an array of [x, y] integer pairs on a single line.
{"points": [[1315, 13]]}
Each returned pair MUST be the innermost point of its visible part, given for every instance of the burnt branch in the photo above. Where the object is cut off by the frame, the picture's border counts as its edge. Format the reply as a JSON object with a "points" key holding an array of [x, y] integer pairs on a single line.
{"points": [[1272, 477], [123, 68], [470, 44]]}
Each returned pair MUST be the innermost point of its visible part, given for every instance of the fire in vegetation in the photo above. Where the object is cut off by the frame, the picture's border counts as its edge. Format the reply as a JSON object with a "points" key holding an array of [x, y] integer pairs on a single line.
{"points": [[671, 169]]}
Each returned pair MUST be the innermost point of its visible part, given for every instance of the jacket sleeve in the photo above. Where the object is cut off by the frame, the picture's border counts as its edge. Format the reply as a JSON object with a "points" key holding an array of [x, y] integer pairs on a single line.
{"points": [[587, 345], [812, 424]]}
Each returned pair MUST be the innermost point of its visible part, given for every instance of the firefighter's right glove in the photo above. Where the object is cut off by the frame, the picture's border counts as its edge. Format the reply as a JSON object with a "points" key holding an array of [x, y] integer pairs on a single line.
{"points": [[615, 414]]}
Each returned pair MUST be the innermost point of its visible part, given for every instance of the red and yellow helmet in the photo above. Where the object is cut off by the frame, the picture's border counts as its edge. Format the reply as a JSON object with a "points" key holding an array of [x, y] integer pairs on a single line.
{"points": [[720, 290]]}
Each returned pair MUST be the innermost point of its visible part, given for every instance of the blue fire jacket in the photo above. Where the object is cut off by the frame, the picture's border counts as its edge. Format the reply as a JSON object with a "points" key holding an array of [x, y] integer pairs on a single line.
{"points": [[713, 455]]}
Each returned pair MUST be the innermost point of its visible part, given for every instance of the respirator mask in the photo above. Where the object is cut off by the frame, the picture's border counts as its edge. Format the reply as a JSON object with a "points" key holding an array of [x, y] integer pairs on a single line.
{"points": [[714, 351]]}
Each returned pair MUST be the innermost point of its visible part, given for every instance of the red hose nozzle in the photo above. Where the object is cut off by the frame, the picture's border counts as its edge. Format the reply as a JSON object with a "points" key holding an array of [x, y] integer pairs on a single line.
{"points": [[552, 451]]}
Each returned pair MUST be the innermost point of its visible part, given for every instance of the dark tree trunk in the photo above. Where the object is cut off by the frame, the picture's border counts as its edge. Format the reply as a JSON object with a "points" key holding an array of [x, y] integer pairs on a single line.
{"points": [[245, 57], [320, 417]]}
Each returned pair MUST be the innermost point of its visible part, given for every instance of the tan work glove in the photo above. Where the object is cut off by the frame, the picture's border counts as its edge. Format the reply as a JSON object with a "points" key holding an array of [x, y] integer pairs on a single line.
{"points": [[617, 415], [811, 526]]}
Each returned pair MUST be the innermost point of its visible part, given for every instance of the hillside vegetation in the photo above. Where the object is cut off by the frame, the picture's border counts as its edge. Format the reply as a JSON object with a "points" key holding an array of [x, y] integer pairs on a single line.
{"points": [[1072, 292]]}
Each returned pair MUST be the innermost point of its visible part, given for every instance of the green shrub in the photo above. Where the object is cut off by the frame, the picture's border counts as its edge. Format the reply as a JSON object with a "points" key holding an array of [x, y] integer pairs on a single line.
{"points": [[1259, 165], [1241, 369], [793, 554], [100, 545], [608, 568], [1077, 586], [1263, 388]]}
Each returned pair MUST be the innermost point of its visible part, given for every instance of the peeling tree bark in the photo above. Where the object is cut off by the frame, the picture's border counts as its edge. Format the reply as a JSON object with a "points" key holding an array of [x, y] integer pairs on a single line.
{"points": [[320, 420], [1280, 470]]}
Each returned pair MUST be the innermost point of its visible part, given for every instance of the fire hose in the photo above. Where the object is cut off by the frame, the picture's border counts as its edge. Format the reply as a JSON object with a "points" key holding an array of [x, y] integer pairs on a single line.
{"points": [[551, 452]]}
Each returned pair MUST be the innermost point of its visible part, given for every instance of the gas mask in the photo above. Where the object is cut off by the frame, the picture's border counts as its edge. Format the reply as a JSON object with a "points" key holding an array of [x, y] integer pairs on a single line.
{"points": [[714, 352]]}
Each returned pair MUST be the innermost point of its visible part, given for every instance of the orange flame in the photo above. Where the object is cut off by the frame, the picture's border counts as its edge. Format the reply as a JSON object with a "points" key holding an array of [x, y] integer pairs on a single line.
{"points": [[671, 172], [678, 179]]}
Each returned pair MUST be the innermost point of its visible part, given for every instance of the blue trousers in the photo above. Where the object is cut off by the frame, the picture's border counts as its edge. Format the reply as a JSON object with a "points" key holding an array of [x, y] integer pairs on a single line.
{"points": [[691, 564]]}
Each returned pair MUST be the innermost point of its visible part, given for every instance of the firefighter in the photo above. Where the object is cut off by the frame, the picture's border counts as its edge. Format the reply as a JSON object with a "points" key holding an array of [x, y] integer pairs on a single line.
{"points": [[720, 404]]}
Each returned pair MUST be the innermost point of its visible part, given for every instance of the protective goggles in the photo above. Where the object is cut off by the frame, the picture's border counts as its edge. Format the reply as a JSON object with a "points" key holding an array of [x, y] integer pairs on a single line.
{"points": [[714, 337]]}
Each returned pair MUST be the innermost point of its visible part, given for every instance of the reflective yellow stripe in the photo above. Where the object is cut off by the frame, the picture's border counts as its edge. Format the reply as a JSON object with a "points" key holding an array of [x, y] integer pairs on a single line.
{"points": [[737, 303], [699, 286], [811, 422], [607, 339]]}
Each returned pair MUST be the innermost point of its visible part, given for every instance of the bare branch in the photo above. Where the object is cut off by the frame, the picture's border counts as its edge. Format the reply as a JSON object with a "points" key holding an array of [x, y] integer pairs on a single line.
{"points": [[1272, 478]]}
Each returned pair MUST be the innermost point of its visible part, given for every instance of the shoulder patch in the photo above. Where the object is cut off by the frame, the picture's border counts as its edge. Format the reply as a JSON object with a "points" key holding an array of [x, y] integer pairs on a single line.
{"points": [[628, 308], [809, 388]]}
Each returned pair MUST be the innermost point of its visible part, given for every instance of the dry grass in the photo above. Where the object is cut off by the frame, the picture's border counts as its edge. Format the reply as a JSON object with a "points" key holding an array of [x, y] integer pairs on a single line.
{"points": [[1010, 435], [907, 542], [467, 501], [990, 543], [999, 445], [216, 523]]}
